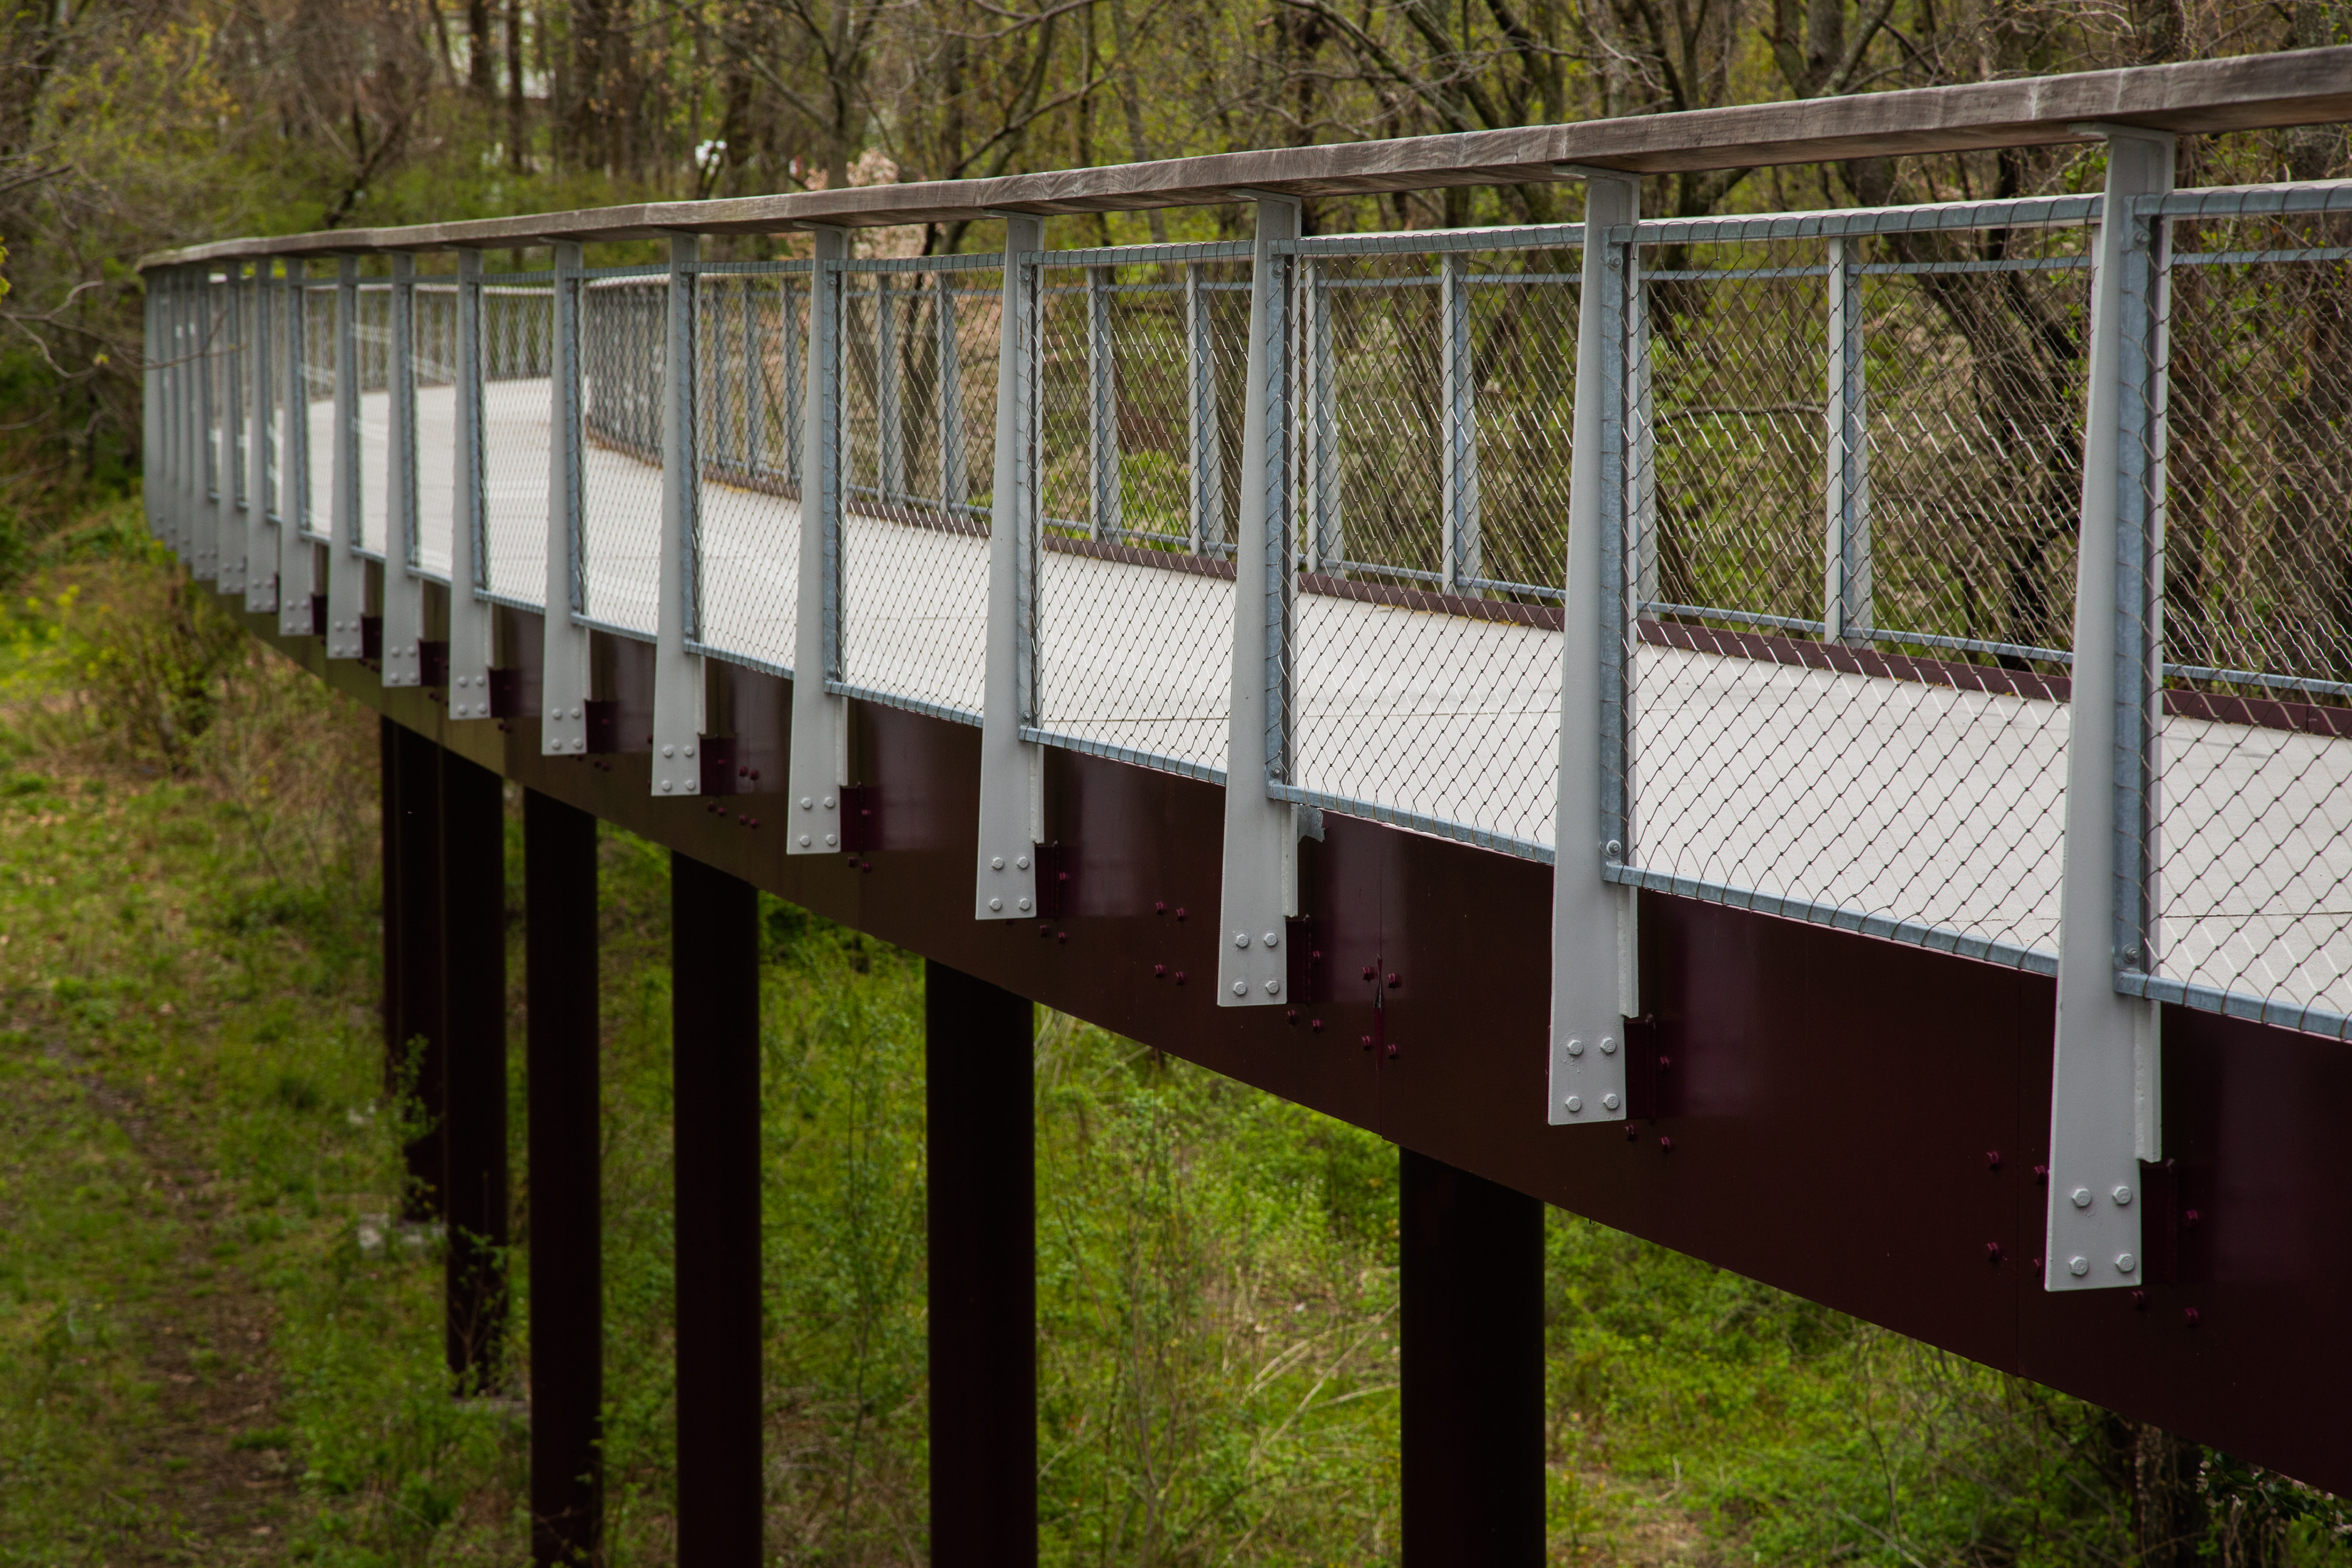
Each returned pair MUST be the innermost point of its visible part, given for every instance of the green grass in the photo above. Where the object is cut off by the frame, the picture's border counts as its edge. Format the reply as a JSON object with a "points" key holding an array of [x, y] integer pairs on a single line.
{"points": [[215, 1345]]}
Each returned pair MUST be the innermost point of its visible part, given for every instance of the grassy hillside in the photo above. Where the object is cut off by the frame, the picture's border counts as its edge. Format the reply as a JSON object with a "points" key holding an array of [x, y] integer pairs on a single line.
{"points": [[215, 1345]]}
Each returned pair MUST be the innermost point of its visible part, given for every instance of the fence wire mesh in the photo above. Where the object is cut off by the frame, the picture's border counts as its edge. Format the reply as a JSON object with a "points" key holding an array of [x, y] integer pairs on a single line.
{"points": [[320, 349], [751, 334], [212, 345], [517, 435], [433, 338], [2253, 854], [1137, 418], [371, 342], [1772, 756], [1434, 397], [919, 356], [621, 349]]}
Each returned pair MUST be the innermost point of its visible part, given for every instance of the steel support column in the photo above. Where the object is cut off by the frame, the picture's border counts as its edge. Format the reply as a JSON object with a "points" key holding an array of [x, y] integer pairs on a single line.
{"points": [[474, 1045], [1473, 1369], [715, 1020], [983, 1243], [567, 1274], [413, 1065]]}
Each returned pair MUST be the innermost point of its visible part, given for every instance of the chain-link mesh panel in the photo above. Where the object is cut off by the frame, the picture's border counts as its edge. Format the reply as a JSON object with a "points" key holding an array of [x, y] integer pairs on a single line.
{"points": [[517, 359], [373, 344], [1137, 418], [1765, 760], [751, 330], [919, 356], [622, 346], [1974, 390], [432, 334], [1435, 398], [269, 394], [319, 347], [236, 404], [2254, 874]]}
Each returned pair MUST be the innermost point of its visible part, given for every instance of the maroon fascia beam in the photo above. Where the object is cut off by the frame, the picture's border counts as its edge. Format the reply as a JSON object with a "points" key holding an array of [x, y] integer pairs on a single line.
{"points": [[1854, 1121]]}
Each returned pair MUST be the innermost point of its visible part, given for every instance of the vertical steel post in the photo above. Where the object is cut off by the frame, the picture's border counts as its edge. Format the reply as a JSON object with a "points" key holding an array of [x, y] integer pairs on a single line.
{"points": [[955, 487], [678, 674], [236, 354], [1846, 607], [474, 1046], [715, 435], [346, 574], [567, 1276], [262, 514], [1104, 518], [1472, 1369], [1005, 879], [190, 490], [1594, 981], [203, 560], [2105, 1093], [715, 1006], [296, 570], [416, 1070], [1261, 832], [981, 1238], [890, 412], [404, 589], [469, 566], [792, 381], [818, 762], [1463, 565], [1206, 509], [1319, 423], [1642, 449], [563, 672], [151, 400]]}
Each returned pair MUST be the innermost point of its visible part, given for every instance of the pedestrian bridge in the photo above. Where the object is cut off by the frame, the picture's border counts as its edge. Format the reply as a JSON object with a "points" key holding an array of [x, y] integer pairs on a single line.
{"points": [[1820, 738]]}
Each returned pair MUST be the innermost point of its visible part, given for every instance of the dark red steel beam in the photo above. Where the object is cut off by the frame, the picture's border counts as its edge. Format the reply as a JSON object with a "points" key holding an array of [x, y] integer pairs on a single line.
{"points": [[474, 1035], [1853, 1120]]}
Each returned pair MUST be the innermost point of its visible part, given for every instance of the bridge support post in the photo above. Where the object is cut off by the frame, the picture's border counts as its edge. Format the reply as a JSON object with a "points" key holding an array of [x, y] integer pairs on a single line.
{"points": [[474, 1035], [567, 1274], [346, 572], [1473, 1369], [981, 1126], [413, 1067], [715, 1019]]}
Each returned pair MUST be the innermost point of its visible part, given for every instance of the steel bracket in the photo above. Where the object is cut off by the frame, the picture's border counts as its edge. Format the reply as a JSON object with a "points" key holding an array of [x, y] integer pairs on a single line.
{"points": [[297, 616], [346, 571], [678, 674], [563, 673], [818, 763], [403, 590], [1012, 771], [470, 614]]}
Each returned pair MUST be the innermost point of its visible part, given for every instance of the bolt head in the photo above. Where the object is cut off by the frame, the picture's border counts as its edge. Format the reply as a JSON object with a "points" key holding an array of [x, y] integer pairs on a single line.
{"points": [[1021, 862], [690, 751], [2078, 1266], [807, 804], [2123, 1195], [2081, 1196], [1576, 1047], [1159, 970], [1241, 938], [804, 840], [664, 786], [1608, 1102], [669, 750], [1025, 906], [1608, 1045], [1612, 850], [831, 839], [2126, 1263], [1241, 987], [1274, 987], [996, 863], [1272, 937], [1392, 979], [828, 803], [994, 905], [1575, 1104]]}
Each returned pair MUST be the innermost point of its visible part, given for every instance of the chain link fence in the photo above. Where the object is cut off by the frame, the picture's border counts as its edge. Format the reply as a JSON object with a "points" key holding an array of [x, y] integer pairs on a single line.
{"points": [[322, 348], [515, 452], [372, 345], [751, 337], [1136, 406], [432, 419], [617, 449], [918, 359]]}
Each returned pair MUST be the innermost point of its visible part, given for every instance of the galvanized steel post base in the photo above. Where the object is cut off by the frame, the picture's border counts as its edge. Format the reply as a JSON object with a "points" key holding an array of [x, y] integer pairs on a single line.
{"points": [[2104, 1094], [982, 1247], [715, 1058], [1595, 978], [1005, 880], [567, 1279]]}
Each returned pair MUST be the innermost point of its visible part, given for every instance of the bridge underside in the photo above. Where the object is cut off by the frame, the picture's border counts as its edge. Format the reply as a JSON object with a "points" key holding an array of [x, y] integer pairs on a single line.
{"points": [[1854, 1121]]}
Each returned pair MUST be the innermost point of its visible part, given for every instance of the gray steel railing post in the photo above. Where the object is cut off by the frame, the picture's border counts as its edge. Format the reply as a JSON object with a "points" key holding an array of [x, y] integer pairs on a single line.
{"points": [[1463, 565], [1006, 876], [955, 485], [469, 566], [151, 402], [714, 439], [234, 495], [261, 548], [792, 381], [1261, 832], [2105, 1093], [346, 573], [563, 672], [1595, 982], [1319, 423], [404, 589], [1641, 448], [203, 560], [819, 760], [889, 405], [187, 471], [297, 558], [195, 484], [1206, 531], [1846, 599], [678, 674], [1104, 519]]}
